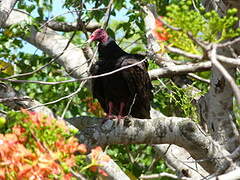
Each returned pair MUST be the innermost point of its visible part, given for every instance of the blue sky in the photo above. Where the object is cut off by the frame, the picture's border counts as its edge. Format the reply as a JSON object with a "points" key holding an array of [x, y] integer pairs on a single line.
{"points": [[58, 10]]}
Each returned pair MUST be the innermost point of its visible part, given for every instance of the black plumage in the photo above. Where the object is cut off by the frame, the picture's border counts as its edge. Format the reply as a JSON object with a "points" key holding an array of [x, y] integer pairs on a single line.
{"points": [[127, 92]]}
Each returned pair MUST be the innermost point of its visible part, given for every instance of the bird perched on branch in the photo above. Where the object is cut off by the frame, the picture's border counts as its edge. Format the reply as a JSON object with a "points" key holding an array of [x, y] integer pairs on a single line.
{"points": [[123, 93]]}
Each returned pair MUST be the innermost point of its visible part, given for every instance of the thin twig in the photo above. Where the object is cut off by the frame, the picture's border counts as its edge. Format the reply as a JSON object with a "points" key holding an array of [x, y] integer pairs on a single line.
{"points": [[229, 43], [198, 78], [77, 175], [52, 60], [66, 108], [14, 99], [108, 13], [73, 80], [160, 175], [234, 54], [68, 12], [62, 98], [30, 73]]}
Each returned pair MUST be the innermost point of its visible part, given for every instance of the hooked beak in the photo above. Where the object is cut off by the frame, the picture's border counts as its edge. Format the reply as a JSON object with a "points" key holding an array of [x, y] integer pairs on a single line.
{"points": [[89, 40]]}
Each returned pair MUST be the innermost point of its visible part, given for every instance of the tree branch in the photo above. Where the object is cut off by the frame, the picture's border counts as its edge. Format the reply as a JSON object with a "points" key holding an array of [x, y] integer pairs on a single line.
{"points": [[171, 130], [69, 27], [20, 101], [227, 76], [179, 69], [73, 59], [5, 9]]}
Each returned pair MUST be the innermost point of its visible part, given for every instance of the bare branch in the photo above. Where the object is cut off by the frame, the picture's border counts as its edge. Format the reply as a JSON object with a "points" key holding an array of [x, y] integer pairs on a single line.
{"points": [[232, 175], [184, 53], [108, 13], [69, 27], [62, 98], [20, 101], [229, 43], [165, 130], [42, 67], [227, 76], [73, 59], [164, 174], [179, 69], [221, 58], [198, 78], [5, 10], [175, 158], [14, 99], [72, 80]]}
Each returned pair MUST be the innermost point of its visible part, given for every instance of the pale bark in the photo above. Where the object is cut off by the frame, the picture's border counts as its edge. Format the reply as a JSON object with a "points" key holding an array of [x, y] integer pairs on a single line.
{"points": [[68, 27], [232, 175], [216, 107], [5, 9], [72, 59], [174, 70], [7, 91], [165, 130], [179, 160]]}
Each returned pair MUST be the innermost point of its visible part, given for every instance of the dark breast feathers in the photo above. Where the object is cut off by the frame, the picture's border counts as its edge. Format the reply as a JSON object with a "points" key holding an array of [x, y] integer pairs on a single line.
{"points": [[127, 92]]}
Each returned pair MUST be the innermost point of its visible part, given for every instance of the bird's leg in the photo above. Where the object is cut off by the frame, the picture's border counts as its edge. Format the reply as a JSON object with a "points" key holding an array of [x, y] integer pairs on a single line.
{"points": [[110, 107], [120, 117], [120, 114]]}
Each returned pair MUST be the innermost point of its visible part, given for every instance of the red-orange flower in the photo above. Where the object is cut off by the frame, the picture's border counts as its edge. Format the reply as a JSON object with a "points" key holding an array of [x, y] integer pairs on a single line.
{"points": [[98, 156], [159, 32]]}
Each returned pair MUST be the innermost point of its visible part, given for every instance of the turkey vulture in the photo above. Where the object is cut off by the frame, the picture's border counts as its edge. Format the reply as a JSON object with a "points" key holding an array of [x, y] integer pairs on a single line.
{"points": [[126, 92]]}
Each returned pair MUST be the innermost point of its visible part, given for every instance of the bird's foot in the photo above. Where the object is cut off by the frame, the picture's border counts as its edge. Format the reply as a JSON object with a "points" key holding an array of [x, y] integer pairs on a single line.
{"points": [[121, 117], [120, 120], [110, 116]]}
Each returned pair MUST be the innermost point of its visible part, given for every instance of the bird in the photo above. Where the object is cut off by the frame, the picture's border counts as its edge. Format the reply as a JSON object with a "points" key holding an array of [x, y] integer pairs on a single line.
{"points": [[124, 93]]}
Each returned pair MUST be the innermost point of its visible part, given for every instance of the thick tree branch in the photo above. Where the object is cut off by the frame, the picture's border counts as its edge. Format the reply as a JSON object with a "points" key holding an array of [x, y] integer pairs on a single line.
{"points": [[232, 175], [227, 76], [180, 161], [69, 27], [20, 101], [73, 59], [216, 107], [5, 9], [171, 130]]}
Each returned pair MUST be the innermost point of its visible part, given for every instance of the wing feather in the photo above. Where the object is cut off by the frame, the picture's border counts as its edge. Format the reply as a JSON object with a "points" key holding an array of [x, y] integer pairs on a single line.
{"points": [[139, 84], [97, 85]]}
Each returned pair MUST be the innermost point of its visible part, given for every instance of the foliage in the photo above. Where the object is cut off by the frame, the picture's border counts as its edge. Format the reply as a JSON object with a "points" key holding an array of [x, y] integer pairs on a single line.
{"points": [[174, 101], [136, 160], [34, 145], [168, 98], [205, 26]]}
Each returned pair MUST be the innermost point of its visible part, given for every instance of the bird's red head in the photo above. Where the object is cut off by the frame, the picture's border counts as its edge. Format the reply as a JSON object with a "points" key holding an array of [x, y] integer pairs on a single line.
{"points": [[99, 35]]}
